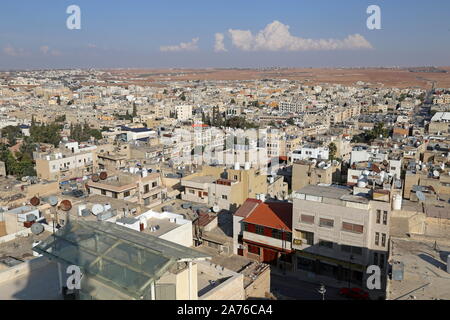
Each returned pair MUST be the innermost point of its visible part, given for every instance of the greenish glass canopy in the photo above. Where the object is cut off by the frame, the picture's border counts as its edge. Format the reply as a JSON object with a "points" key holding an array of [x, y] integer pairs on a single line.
{"points": [[119, 257]]}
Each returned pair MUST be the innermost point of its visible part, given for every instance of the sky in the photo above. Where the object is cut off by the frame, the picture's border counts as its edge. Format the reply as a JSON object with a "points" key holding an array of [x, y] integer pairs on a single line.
{"points": [[223, 33]]}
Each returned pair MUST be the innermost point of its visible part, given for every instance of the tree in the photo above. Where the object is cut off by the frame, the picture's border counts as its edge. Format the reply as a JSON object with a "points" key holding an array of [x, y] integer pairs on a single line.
{"points": [[134, 114], [12, 133], [290, 121], [332, 149], [233, 101]]}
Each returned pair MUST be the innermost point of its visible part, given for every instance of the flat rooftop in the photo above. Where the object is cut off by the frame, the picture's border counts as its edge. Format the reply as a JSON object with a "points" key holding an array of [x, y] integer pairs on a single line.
{"points": [[163, 226], [424, 272]]}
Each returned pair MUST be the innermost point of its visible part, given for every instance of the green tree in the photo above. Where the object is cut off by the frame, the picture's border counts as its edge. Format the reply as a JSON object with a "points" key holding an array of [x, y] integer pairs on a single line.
{"points": [[332, 150]]}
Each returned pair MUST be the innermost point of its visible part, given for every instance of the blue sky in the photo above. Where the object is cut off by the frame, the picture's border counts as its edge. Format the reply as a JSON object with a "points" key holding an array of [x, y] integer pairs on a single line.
{"points": [[148, 34]]}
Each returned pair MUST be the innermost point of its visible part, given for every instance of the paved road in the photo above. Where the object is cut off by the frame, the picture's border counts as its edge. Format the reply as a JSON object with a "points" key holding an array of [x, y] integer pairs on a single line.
{"points": [[293, 288]]}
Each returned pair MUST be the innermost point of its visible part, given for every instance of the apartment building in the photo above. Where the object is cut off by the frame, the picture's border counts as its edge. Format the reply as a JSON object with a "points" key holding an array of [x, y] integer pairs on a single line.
{"points": [[70, 161], [306, 172], [338, 234], [228, 188], [262, 231], [138, 186], [440, 124], [183, 112], [309, 152]]}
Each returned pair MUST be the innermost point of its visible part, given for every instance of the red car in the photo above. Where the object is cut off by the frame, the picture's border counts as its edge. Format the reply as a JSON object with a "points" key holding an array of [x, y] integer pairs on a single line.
{"points": [[354, 293]]}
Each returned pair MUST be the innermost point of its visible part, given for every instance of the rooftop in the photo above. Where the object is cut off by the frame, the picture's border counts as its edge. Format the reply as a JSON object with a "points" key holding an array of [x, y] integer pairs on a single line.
{"points": [[121, 258]]}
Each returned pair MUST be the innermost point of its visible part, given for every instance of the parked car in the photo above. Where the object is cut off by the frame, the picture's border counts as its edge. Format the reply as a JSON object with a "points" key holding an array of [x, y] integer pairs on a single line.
{"points": [[354, 293]]}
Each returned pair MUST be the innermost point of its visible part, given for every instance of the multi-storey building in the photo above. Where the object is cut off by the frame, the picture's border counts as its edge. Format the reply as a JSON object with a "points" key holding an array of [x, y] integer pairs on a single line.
{"points": [[339, 234]]}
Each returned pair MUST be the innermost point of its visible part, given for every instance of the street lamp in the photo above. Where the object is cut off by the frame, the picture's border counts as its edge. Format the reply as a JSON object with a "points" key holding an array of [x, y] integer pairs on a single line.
{"points": [[322, 291]]}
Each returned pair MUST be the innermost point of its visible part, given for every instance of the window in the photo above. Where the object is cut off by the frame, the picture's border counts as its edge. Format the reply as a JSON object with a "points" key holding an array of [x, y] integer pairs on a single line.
{"points": [[104, 192], [308, 237], [385, 217], [154, 184], [224, 197], [327, 223], [378, 216], [326, 244], [205, 194], [259, 230], [114, 194], [253, 249], [147, 189], [249, 227], [375, 258], [377, 238], [126, 194], [276, 234], [356, 228], [383, 240], [307, 219]]}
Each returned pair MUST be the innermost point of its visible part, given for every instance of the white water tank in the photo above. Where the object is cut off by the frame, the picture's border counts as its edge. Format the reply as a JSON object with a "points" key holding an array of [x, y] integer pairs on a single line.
{"points": [[362, 183], [106, 207], [237, 166], [247, 166], [397, 203], [144, 173], [262, 197], [81, 207]]}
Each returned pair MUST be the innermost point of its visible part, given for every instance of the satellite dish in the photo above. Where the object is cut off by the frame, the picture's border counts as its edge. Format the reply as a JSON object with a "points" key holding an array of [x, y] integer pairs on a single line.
{"points": [[53, 200], [420, 196], [37, 228], [436, 173], [216, 209], [103, 175], [35, 201], [65, 205], [97, 209], [95, 177]]}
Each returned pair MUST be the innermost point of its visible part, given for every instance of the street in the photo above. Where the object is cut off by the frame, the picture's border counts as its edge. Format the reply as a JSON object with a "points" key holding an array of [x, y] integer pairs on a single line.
{"points": [[292, 288]]}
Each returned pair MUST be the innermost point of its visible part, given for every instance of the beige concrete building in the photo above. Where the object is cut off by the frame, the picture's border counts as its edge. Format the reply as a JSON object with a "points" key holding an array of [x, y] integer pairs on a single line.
{"points": [[337, 234], [139, 187]]}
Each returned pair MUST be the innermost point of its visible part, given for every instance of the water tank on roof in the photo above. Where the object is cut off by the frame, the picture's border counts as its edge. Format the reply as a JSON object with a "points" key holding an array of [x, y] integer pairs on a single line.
{"points": [[107, 207], [397, 203], [81, 207], [362, 182], [247, 166], [237, 166], [97, 208]]}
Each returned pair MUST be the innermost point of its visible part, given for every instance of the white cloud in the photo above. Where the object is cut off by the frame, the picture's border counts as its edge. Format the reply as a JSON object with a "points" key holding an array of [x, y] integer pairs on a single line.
{"points": [[13, 52], [184, 46], [277, 37], [219, 46], [45, 50]]}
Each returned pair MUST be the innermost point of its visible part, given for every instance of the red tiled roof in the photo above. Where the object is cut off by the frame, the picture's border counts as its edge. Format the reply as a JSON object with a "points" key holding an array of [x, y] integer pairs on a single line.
{"points": [[247, 207], [277, 215]]}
